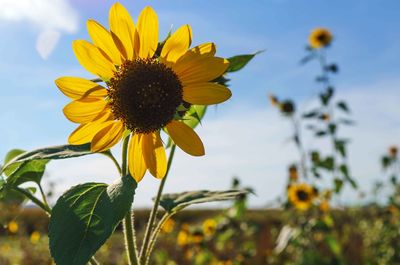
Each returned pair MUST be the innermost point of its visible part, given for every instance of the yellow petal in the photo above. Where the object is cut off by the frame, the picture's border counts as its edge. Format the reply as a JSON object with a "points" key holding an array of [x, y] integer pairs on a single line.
{"points": [[206, 93], [107, 137], [200, 68], [90, 57], [103, 40], [76, 88], [177, 44], [208, 49], [85, 132], [84, 110], [154, 154], [201, 51], [136, 164], [122, 30], [148, 32], [186, 138]]}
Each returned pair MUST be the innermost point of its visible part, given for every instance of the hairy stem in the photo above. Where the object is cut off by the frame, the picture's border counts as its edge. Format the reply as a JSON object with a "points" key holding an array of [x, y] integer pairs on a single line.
{"points": [[130, 241], [153, 212]]}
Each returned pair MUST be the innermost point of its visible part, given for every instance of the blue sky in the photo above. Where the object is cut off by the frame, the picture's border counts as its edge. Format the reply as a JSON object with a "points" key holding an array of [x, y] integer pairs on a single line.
{"points": [[366, 47]]}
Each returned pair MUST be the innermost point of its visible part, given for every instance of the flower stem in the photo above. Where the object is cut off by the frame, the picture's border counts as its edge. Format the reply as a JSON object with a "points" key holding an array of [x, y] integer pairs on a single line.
{"points": [[130, 240], [43, 196], [153, 212], [111, 156], [154, 236], [93, 261], [129, 232]]}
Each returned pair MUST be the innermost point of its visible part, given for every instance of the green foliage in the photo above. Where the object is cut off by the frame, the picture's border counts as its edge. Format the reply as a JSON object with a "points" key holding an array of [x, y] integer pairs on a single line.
{"points": [[48, 153], [238, 62], [194, 115], [177, 201], [20, 172], [85, 217]]}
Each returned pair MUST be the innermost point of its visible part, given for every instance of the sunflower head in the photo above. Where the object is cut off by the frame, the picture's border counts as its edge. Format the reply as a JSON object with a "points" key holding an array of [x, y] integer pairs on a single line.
{"points": [[145, 95], [13, 227], [320, 38], [393, 151], [301, 195], [146, 88], [287, 107]]}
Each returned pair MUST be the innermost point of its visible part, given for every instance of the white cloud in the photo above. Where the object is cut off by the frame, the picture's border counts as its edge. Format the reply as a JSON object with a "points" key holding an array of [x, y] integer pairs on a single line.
{"points": [[46, 42], [51, 17]]}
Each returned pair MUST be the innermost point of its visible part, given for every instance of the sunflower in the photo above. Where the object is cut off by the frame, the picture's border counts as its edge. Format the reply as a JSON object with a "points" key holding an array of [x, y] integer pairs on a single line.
{"points": [[209, 227], [301, 195], [145, 86], [319, 38]]}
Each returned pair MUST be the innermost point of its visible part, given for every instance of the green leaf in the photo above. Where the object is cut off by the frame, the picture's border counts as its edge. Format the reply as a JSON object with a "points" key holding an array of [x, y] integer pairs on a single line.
{"points": [[194, 115], [327, 163], [11, 154], [320, 133], [343, 106], [85, 217], [311, 114], [326, 96], [345, 171], [178, 201], [26, 171], [334, 245], [340, 146], [385, 161], [21, 172], [12, 197], [236, 63], [338, 185], [54, 152]]}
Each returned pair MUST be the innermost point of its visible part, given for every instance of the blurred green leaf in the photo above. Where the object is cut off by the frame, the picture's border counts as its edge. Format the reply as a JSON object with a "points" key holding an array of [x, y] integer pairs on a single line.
{"points": [[326, 96], [236, 63], [334, 245], [340, 146], [178, 201], [345, 171], [343, 106], [311, 114], [320, 133], [328, 163], [85, 217], [385, 161], [338, 185]]}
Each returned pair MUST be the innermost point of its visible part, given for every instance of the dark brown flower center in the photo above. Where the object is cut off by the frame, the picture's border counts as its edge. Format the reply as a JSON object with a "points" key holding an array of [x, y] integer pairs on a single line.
{"points": [[144, 94], [323, 37], [302, 195]]}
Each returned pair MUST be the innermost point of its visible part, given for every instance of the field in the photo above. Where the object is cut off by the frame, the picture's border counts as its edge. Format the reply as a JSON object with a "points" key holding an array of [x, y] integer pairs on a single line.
{"points": [[365, 236]]}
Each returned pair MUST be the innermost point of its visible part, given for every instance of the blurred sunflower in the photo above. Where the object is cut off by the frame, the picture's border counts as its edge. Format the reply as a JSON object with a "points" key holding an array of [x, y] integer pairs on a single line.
{"points": [[319, 38], [147, 86], [209, 227], [168, 226], [35, 237], [301, 195], [13, 227]]}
